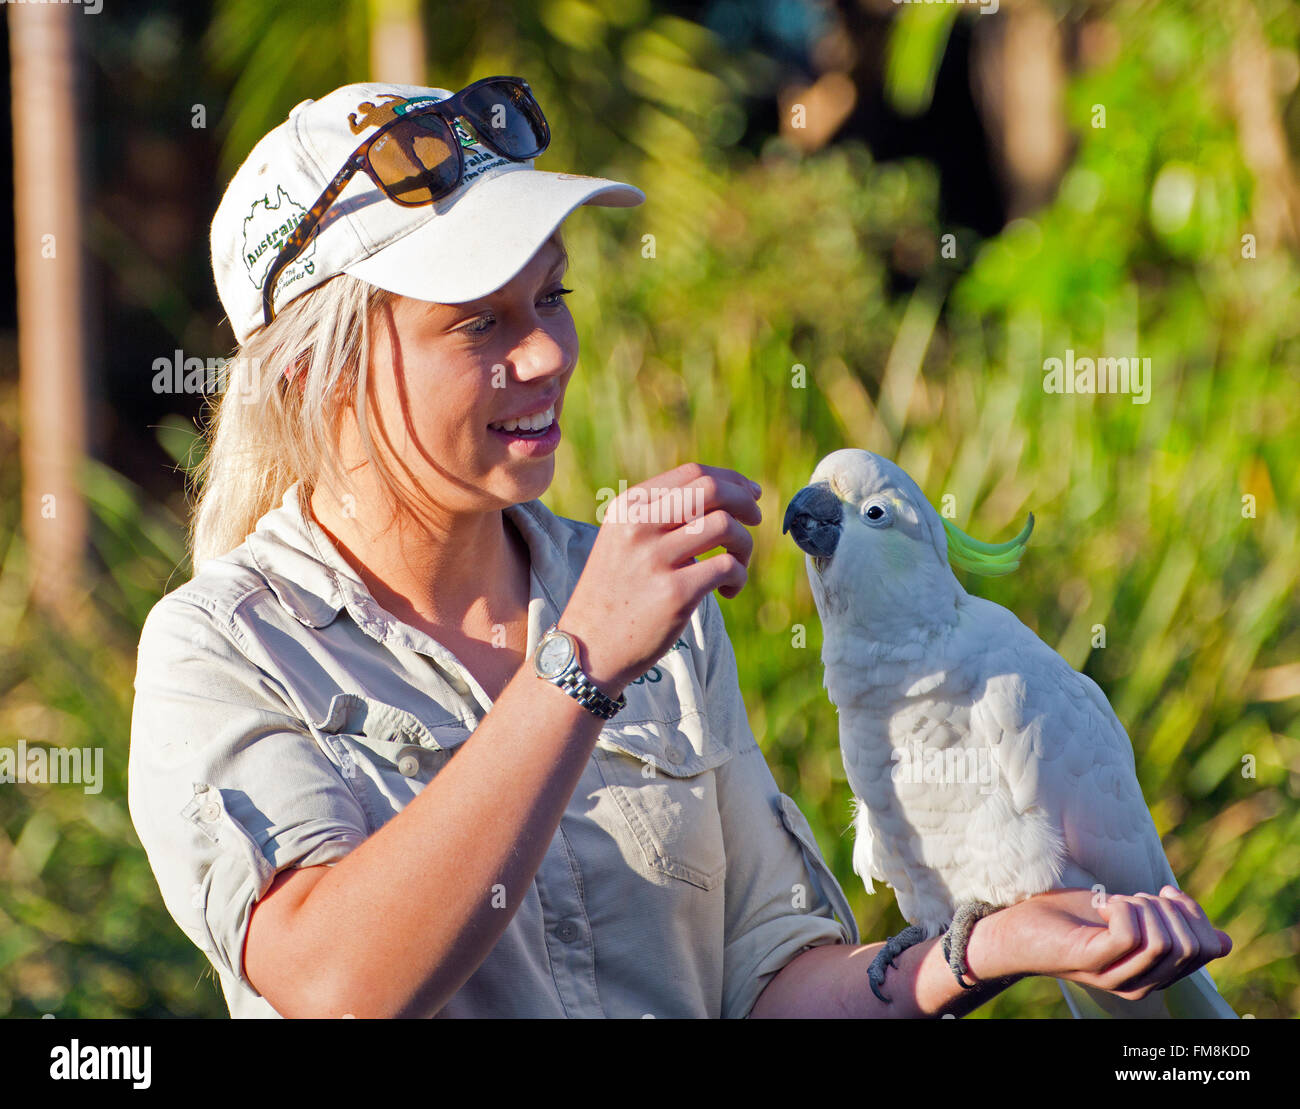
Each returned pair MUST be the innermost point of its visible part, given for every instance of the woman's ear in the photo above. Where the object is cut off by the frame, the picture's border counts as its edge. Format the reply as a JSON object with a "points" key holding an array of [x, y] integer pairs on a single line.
{"points": [[295, 373]]}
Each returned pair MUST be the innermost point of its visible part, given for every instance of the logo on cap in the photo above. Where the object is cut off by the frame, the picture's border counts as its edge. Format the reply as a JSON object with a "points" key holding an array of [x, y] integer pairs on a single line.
{"points": [[394, 107], [376, 115], [266, 227]]}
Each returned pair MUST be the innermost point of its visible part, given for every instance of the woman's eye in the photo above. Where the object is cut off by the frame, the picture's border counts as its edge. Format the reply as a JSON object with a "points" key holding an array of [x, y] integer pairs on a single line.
{"points": [[479, 326], [483, 324]]}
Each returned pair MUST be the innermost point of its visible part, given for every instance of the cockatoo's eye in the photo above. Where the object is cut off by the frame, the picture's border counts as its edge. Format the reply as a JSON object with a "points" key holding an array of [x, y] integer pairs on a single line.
{"points": [[878, 514]]}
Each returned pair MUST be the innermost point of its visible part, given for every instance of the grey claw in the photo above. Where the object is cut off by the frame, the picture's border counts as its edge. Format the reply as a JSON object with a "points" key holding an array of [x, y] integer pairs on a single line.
{"points": [[871, 980], [958, 936], [884, 960]]}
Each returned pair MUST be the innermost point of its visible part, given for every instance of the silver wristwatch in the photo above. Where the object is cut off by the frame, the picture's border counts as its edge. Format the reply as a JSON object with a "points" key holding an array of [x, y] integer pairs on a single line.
{"points": [[556, 660]]}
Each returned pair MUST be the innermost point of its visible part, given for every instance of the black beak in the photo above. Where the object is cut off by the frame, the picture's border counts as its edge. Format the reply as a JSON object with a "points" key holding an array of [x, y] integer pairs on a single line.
{"points": [[813, 519]]}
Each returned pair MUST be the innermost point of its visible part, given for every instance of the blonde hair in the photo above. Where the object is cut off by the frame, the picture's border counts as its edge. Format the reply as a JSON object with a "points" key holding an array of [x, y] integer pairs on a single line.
{"points": [[277, 421]]}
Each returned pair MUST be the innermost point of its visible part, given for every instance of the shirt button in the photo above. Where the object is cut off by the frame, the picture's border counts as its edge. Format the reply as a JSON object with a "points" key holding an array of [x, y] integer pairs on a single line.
{"points": [[210, 812], [408, 762], [566, 931], [675, 755]]}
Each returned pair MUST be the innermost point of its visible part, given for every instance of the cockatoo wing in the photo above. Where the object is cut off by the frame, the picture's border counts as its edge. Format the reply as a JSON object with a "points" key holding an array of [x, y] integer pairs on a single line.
{"points": [[1066, 756]]}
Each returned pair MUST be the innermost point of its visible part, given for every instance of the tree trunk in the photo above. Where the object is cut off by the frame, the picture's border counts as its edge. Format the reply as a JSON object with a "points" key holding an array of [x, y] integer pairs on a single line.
{"points": [[1275, 210], [1019, 71], [51, 349], [396, 42]]}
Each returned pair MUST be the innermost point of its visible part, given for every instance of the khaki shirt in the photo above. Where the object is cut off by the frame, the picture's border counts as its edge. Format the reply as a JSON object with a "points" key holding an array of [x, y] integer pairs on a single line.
{"points": [[281, 717]]}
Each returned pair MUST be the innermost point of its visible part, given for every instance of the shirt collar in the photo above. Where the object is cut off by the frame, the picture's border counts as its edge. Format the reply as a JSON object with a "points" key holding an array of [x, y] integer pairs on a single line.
{"points": [[313, 582]]}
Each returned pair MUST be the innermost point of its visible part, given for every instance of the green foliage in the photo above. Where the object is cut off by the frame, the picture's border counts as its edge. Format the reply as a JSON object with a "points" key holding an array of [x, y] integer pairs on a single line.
{"points": [[916, 47], [83, 931], [762, 267]]}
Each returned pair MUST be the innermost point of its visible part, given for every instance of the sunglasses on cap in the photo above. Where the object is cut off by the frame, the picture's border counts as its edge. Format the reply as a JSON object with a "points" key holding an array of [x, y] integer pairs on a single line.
{"points": [[416, 158]]}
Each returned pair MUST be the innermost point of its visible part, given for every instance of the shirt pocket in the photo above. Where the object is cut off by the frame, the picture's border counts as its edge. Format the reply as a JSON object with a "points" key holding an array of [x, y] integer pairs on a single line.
{"points": [[659, 766], [386, 754]]}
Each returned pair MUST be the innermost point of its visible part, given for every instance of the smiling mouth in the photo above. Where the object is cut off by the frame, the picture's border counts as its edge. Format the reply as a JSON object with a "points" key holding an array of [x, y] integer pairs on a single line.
{"points": [[529, 427]]}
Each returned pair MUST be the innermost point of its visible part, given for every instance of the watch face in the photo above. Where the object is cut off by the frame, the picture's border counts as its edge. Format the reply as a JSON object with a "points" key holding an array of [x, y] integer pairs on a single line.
{"points": [[553, 656]]}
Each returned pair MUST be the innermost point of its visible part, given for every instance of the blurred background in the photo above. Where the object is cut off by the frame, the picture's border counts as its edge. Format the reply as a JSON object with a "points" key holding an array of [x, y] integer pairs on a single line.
{"points": [[868, 224]]}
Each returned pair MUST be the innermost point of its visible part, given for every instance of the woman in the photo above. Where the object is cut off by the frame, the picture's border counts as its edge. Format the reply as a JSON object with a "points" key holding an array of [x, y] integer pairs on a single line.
{"points": [[379, 589]]}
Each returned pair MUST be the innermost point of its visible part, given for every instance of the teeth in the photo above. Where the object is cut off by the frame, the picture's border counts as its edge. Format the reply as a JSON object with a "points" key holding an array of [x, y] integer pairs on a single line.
{"points": [[528, 423]]}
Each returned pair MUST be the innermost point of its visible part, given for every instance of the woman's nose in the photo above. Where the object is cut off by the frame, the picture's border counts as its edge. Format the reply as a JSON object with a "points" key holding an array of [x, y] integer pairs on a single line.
{"points": [[545, 352]]}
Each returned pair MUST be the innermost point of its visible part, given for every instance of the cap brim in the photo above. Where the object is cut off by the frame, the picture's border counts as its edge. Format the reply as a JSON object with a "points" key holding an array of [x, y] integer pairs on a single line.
{"points": [[487, 236]]}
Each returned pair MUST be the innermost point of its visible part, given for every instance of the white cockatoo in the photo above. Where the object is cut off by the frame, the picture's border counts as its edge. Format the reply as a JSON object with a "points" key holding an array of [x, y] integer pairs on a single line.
{"points": [[984, 768]]}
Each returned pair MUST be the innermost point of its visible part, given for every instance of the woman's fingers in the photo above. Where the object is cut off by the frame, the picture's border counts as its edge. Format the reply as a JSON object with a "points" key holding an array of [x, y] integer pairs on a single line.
{"points": [[642, 582], [694, 489], [1129, 945], [1186, 947], [1141, 941], [723, 572], [707, 507], [718, 528], [1167, 949], [1123, 934], [1163, 940], [1207, 936]]}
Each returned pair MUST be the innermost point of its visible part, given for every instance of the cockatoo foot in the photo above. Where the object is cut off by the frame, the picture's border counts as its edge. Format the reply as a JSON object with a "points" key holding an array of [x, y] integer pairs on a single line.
{"points": [[957, 937], [894, 947]]}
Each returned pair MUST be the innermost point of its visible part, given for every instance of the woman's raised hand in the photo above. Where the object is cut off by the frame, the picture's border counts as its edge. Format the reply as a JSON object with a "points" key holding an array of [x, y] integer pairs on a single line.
{"points": [[641, 581]]}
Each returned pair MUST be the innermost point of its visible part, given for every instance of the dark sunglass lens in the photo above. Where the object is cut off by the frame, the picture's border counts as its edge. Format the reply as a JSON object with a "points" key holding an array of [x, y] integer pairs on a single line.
{"points": [[416, 160], [506, 114]]}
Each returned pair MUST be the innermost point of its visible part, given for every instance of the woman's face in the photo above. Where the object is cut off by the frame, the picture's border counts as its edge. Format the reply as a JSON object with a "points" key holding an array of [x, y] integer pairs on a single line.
{"points": [[442, 374]]}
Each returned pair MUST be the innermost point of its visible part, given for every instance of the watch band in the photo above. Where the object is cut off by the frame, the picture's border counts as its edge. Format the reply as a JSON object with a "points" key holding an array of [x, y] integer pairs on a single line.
{"points": [[578, 686], [573, 681]]}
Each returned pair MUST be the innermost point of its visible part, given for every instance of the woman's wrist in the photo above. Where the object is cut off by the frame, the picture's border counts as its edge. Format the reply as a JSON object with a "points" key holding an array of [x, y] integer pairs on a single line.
{"points": [[602, 672], [994, 955]]}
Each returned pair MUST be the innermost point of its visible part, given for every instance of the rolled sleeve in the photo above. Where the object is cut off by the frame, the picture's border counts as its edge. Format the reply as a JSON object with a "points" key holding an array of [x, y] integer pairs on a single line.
{"points": [[226, 785], [781, 897]]}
